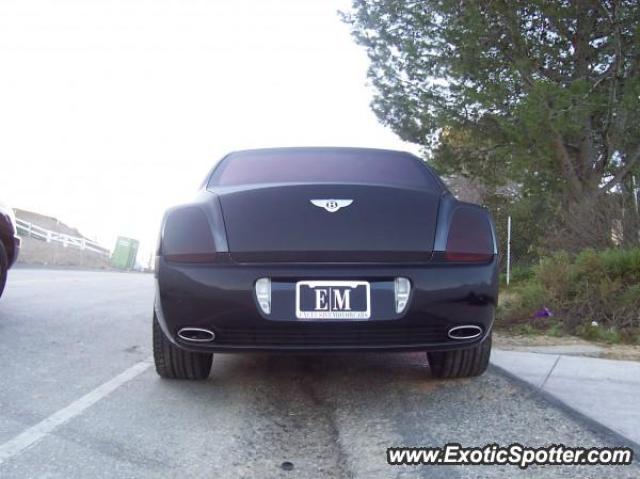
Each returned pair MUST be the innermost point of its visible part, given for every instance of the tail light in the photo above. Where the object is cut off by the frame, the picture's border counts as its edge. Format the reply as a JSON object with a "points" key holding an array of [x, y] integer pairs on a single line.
{"points": [[470, 238], [186, 236]]}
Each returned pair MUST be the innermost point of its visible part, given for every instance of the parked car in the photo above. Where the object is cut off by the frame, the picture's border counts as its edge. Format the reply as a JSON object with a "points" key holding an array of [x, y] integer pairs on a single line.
{"points": [[9, 243], [324, 250]]}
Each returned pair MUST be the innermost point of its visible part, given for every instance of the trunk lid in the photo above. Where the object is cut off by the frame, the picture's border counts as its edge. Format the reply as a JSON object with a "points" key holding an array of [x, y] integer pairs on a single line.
{"points": [[280, 223]]}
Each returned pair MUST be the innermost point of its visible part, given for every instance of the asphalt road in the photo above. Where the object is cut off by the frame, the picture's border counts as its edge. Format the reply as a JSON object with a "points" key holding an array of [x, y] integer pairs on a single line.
{"points": [[79, 398]]}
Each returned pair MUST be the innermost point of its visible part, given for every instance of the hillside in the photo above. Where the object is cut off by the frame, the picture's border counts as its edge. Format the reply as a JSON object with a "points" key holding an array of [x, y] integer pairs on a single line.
{"points": [[39, 252], [47, 222]]}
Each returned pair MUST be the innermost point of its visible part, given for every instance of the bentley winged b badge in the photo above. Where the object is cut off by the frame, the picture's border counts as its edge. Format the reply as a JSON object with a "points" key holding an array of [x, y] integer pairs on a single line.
{"points": [[331, 205]]}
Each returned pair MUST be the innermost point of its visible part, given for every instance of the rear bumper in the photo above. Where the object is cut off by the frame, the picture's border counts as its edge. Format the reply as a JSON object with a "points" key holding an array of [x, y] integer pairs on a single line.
{"points": [[220, 298]]}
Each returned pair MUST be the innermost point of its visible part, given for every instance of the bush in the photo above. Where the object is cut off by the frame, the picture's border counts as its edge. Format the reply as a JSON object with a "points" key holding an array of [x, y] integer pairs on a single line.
{"points": [[519, 274], [554, 275], [595, 294]]}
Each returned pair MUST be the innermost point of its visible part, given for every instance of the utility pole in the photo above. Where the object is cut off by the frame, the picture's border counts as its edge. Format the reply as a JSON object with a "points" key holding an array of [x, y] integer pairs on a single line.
{"points": [[635, 192], [508, 249]]}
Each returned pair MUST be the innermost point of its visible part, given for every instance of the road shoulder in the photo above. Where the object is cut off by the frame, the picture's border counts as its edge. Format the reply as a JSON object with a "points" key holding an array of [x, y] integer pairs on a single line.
{"points": [[602, 392]]}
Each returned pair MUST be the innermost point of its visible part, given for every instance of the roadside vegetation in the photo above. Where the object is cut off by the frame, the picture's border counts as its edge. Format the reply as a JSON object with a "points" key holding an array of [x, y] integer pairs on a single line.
{"points": [[594, 294], [533, 107]]}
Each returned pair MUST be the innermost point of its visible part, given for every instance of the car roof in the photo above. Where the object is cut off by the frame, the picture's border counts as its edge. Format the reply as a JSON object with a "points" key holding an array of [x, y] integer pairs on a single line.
{"points": [[324, 149], [329, 149]]}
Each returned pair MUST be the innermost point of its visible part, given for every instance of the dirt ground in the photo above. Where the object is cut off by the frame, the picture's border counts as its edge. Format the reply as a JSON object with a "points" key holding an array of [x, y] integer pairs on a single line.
{"points": [[609, 351]]}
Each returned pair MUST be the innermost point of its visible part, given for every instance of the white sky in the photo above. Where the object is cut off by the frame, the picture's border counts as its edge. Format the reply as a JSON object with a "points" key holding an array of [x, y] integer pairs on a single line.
{"points": [[112, 111]]}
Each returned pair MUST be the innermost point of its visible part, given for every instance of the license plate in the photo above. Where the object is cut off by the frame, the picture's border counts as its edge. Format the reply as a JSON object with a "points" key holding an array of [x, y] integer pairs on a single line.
{"points": [[333, 300]]}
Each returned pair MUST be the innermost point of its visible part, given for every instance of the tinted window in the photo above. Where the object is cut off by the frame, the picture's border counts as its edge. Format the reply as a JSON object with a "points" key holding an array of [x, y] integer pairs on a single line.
{"points": [[318, 166]]}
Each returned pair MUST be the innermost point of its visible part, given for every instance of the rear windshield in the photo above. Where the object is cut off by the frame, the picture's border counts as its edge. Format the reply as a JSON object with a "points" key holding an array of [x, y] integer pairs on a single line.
{"points": [[320, 166]]}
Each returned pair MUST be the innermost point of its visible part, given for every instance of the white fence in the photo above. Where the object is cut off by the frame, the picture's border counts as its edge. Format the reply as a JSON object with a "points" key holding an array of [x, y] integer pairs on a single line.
{"points": [[35, 231]]}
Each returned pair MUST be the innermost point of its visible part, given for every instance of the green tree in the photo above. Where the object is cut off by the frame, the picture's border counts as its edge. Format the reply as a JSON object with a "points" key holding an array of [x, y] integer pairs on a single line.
{"points": [[544, 93]]}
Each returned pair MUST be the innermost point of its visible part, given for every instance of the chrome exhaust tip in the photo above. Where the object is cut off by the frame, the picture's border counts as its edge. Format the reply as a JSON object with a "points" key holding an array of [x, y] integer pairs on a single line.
{"points": [[196, 335], [466, 331]]}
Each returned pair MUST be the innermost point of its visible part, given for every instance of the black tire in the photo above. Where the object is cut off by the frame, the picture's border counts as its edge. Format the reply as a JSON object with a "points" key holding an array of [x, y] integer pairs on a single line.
{"points": [[175, 363], [4, 267], [461, 363]]}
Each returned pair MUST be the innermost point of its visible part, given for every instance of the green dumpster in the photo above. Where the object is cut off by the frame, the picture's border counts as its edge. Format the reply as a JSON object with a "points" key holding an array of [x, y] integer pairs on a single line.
{"points": [[125, 252]]}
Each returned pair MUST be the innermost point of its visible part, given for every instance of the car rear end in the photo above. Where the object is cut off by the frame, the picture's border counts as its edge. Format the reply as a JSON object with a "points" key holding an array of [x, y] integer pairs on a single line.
{"points": [[258, 266]]}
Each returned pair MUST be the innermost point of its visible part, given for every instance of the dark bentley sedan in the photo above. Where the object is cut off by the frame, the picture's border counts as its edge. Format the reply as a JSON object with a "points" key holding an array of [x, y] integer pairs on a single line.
{"points": [[324, 250]]}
